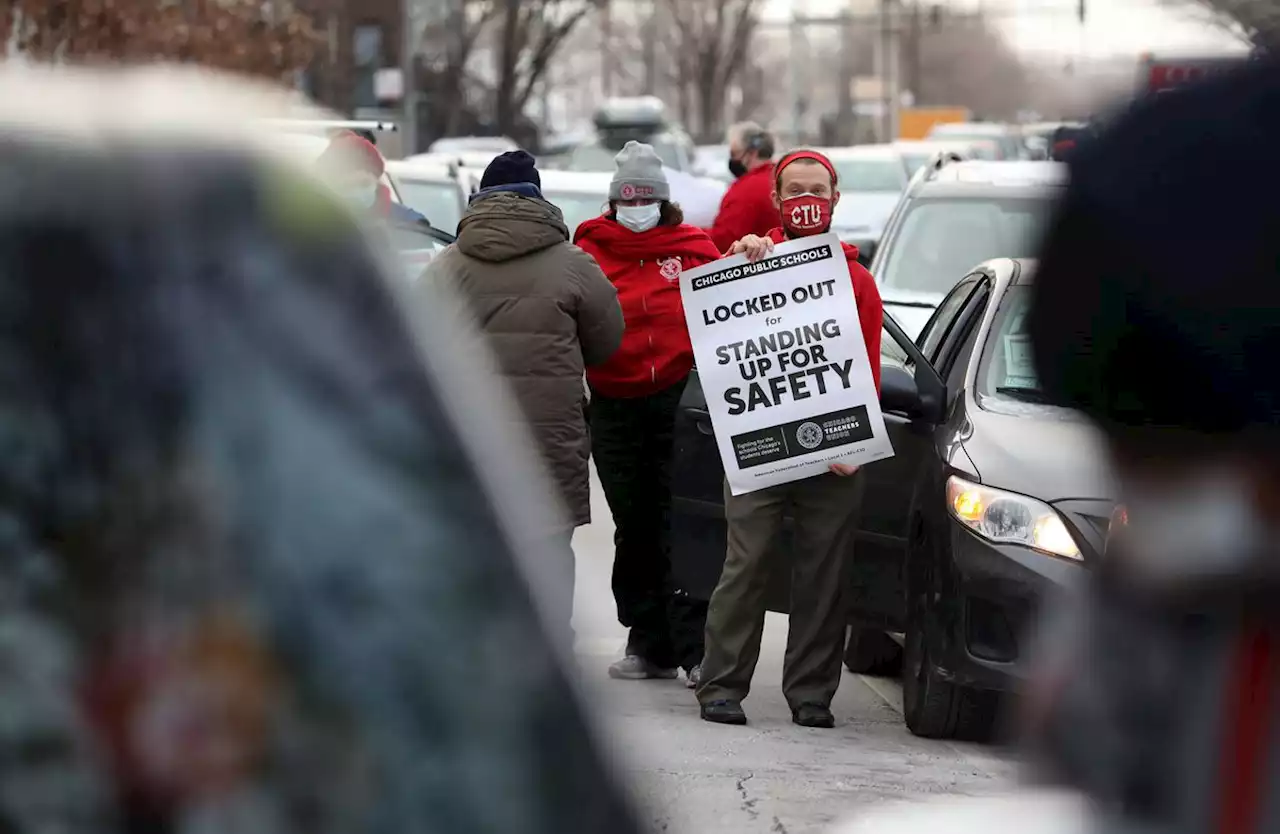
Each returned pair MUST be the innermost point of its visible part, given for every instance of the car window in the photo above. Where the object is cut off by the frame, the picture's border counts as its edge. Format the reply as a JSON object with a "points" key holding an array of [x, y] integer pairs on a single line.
{"points": [[439, 202], [940, 240], [933, 334], [1007, 368], [891, 353], [858, 175], [594, 156], [576, 208]]}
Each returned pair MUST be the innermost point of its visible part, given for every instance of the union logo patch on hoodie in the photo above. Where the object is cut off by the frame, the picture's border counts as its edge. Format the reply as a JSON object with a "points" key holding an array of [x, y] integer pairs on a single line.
{"points": [[671, 268]]}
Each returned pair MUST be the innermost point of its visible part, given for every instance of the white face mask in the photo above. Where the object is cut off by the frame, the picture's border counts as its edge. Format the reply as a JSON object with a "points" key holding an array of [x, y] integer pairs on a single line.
{"points": [[639, 218]]}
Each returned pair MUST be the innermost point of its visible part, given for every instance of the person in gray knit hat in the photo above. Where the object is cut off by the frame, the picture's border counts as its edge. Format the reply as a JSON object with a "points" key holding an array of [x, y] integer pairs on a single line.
{"points": [[643, 244], [639, 187]]}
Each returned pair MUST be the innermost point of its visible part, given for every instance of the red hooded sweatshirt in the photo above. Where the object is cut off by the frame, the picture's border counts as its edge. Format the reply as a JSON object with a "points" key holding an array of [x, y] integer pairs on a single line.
{"points": [[746, 209], [645, 269], [867, 296]]}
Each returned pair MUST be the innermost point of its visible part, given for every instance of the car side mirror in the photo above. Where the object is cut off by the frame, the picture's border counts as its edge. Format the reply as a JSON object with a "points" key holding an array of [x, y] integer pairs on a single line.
{"points": [[899, 392]]}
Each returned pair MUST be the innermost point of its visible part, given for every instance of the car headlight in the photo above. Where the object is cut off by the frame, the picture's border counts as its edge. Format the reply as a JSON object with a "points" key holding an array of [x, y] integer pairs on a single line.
{"points": [[1001, 516]]}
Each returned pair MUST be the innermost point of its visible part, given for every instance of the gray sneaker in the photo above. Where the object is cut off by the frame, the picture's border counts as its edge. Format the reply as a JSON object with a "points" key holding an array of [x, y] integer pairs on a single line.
{"points": [[693, 677], [636, 668]]}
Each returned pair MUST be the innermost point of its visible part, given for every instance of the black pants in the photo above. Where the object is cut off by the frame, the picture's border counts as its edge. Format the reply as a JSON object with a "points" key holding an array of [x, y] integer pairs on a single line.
{"points": [[632, 441]]}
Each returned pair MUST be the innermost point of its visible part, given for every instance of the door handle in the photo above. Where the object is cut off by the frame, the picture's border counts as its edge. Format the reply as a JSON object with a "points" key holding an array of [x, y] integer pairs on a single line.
{"points": [[702, 419]]}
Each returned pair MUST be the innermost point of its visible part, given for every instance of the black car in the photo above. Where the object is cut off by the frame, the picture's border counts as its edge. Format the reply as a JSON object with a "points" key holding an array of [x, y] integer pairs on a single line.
{"points": [[992, 497]]}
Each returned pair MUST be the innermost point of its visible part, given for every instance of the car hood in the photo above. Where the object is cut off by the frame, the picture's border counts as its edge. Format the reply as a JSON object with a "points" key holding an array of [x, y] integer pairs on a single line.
{"points": [[1045, 452], [911, 309], [863, 214]]}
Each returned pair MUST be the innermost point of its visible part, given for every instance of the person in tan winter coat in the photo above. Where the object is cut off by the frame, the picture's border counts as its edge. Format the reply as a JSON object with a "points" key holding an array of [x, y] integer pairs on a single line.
{"points": [[548, 312]]}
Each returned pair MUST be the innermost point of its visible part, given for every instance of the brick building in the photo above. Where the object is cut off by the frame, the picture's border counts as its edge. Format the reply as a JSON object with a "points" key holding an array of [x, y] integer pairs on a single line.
{"points": [[362, 36]]}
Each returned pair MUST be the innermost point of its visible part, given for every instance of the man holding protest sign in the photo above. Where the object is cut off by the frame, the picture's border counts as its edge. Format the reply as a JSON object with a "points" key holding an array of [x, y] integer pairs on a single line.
{"points": [[789, 357]]}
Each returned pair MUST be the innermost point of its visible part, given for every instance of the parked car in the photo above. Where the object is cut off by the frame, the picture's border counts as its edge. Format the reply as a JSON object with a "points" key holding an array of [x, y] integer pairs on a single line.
{"points": [[1005, 136], [435, 190], [991, 499], [416, 244], [579, 195], [871, 180], [643, 119], [303, 140], [491, 145], [953, 215], [916, 153]]}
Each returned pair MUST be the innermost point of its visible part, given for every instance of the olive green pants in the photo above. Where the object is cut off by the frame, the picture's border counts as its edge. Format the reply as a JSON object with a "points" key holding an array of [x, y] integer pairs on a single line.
{"points": [[824, 510]]}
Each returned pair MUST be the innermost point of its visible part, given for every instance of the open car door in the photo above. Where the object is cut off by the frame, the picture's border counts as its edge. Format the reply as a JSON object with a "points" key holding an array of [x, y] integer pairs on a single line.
{"points": [[910, 392]]}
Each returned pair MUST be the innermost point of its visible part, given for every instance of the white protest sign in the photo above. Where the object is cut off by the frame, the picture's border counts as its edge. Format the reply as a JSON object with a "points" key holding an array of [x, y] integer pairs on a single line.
{"points": [[783, 364]]}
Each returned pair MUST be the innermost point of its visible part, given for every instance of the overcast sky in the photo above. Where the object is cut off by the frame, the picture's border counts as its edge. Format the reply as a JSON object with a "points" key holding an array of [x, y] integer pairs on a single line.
{"points": [[1113, 27]]}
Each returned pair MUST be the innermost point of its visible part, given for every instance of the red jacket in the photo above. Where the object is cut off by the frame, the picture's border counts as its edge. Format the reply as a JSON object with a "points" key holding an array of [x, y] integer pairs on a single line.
{"points": [[867, 295], [645, 269], [747, 208]]}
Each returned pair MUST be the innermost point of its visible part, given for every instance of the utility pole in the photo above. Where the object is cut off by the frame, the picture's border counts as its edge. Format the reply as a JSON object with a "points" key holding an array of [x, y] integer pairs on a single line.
{"points": [[606, 43], [845, 118], [651, 50], [410, 32]]}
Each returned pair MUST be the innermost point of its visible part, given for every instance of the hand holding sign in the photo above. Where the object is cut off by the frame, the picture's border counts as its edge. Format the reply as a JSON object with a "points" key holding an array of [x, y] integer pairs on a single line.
{"points": [[753, 246]]}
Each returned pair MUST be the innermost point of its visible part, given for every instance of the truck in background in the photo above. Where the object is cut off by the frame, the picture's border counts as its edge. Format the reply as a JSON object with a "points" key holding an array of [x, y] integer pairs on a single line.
{"points": [[916, 122]]}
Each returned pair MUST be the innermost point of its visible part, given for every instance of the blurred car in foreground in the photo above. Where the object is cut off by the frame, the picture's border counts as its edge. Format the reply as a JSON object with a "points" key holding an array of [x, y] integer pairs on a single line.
{"points": [[434, 190], [871, 181], [1006, 138], [991, 498], [916, 153], [956, 214]]}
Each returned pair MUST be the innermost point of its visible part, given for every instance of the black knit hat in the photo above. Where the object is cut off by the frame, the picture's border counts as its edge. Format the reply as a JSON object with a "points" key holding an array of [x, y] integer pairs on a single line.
{"points": [[511, 168], [1157, 298]]}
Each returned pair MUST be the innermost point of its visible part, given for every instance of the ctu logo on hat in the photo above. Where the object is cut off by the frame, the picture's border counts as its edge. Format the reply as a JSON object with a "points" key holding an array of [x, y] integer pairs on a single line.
{"points": [[631, 192]]}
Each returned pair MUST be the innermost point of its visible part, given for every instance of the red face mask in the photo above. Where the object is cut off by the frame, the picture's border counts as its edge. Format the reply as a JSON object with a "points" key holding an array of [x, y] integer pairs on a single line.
{"points": [[806, 214]]}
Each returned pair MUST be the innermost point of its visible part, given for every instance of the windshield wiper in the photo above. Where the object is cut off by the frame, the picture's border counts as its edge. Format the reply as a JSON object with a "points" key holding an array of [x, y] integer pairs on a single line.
{"points": [[1031, 395]]}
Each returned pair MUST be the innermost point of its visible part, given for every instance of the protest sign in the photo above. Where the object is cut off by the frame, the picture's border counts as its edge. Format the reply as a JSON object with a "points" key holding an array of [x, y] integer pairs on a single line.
{"points": [[783, 364]]}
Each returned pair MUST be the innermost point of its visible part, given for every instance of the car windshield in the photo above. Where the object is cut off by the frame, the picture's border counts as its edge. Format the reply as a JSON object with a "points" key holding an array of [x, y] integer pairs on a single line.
{"points": [[1007, 369], [439, 202], [860, 175], [940, 240], [576, 207], [414, 246]]}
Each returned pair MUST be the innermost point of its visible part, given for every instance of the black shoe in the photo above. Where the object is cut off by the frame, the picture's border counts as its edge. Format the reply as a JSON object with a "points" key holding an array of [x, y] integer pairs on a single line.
{"points": [[724, 712], [813, 715]]}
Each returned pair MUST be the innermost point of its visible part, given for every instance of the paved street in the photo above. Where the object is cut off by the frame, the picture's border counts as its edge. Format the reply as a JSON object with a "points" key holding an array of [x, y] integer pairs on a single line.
{"points": [[770, 776]]}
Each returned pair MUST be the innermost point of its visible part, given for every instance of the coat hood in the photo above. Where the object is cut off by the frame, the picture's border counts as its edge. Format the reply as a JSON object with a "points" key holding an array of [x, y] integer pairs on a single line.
{"points": [[504, 226]]}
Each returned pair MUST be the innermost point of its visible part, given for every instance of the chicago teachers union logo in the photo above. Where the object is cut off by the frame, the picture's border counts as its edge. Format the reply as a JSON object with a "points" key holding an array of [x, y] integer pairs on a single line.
{"points": [[670, 268], [809, 435]]}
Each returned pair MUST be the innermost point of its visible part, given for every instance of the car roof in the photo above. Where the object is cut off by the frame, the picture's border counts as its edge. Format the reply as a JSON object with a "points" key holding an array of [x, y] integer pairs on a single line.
{"points": [[885, 152], [998, 175], [932, 144], [417, 169], [585, 182], [991, 129]]}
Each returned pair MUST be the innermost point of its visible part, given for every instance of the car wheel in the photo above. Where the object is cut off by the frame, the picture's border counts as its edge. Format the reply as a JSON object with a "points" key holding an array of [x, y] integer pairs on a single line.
{"points": [[936, 708], [872, 652]]}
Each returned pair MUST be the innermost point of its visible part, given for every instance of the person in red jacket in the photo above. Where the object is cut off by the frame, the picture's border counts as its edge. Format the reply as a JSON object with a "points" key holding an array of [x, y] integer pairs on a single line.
{"points": [[747, 207], [804, 195], [642, 243]]}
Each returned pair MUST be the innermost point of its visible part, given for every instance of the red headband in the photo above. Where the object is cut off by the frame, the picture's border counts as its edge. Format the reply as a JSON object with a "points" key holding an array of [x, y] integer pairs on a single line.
{"points": [[813, 155]]}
